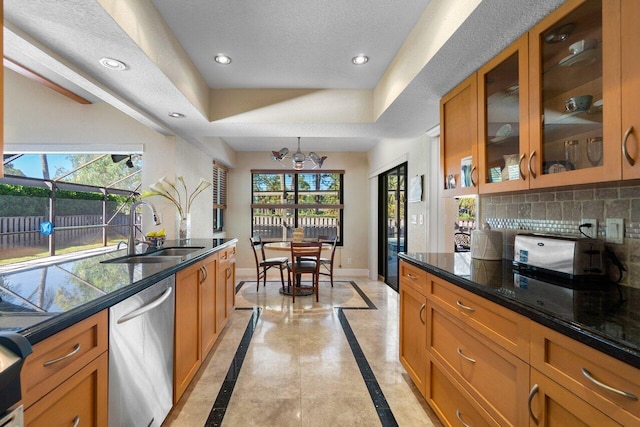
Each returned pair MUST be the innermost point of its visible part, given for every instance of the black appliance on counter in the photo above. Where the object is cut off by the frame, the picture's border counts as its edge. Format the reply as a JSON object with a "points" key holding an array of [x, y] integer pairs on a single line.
{"points": [[14, 348]]}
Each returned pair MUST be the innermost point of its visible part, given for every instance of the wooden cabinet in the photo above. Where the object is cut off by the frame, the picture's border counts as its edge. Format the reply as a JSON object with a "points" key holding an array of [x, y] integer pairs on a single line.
{"points": [[603, 382], [196, 329], [557, 108], [413, 333], [207, 299], [503, 125], [552, 405], [483, 364], [458, 139], [79, 401], [630, 87], [67, 375], [502, 326], [494, 377], [225, 288]]}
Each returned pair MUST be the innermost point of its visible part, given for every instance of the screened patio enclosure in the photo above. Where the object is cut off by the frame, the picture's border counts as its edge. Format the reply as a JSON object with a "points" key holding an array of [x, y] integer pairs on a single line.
{"points": [[86, 197]]}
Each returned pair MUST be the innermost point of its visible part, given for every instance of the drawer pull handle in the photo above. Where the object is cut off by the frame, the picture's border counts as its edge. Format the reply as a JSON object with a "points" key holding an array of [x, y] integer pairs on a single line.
{"points": [[459, 417], [76, 421], [420, 314], [411, 276], [531, 172], [532, 393], [627, 157], [626, 394], [76, 348], [465, 357], [466, 307]]}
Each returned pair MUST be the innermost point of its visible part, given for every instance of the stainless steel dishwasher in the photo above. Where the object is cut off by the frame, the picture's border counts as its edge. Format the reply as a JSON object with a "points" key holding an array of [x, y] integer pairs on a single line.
{"points": [[141, 357]]}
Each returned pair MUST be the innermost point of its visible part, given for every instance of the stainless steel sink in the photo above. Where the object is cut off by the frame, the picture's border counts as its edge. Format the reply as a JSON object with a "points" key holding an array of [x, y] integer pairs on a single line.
{"points": [[143, 259], [177, 251]]}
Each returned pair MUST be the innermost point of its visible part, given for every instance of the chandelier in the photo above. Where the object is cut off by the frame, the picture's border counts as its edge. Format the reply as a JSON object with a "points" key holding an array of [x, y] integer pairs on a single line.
{"points": [[298, 159]]}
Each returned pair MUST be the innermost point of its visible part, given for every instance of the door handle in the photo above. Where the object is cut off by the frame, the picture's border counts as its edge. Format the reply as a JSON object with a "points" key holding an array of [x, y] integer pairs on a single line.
{"points": [[420, 313], [522, 156], [145, 308], [531, 172], [629, 159], [532, 394]]}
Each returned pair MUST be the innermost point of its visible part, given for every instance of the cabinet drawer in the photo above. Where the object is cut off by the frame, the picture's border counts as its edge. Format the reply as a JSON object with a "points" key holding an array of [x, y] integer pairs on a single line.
{"points": [[493, 376], [413, 277], [60, 356], [569, 363], [503, 326], [81, 400], [451, 403]]}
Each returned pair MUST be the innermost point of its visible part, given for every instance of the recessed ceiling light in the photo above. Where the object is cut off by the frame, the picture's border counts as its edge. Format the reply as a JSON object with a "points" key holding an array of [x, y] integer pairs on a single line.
{"points": [[360, 59], [113, 64], [223, 59], [176, 115]]}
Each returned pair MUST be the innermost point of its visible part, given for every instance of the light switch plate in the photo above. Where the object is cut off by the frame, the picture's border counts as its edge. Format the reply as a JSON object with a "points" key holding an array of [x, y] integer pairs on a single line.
{"points": [[615, 230], [593, 230]]}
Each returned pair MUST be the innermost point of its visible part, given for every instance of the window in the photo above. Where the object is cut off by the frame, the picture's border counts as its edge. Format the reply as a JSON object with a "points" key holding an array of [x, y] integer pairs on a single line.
{"points": [[282, 201], [86, 196], [219, 186]]}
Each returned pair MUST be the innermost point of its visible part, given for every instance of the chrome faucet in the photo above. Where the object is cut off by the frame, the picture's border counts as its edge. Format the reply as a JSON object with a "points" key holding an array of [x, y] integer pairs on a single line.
{"points": [[131, 245]]}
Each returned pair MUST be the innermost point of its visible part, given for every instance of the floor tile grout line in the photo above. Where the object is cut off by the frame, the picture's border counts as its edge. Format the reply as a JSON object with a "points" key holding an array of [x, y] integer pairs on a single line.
{"points": [[226, 389], [377, 396]]}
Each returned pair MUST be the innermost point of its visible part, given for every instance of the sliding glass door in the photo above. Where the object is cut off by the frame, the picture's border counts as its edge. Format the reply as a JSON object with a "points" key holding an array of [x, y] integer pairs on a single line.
{"points": [[392, 216]]}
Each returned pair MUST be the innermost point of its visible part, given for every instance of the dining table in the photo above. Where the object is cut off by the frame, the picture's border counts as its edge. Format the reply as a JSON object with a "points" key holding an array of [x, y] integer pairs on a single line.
{"points": [[285, 245]]}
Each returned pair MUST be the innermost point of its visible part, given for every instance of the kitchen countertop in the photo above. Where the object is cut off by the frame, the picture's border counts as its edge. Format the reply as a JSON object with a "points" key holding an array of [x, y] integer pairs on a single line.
{"points": [[603, 315], [41, 301]]}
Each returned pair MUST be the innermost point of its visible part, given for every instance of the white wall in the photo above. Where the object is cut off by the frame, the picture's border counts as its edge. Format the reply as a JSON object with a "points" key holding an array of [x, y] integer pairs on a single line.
{"points": [[421, 155], [356, 212], [38, 119]]}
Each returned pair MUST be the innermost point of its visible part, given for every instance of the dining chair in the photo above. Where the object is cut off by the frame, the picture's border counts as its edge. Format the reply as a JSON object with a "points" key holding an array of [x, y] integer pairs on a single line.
{"points": [[305, 259], [263, 264], [326, 264]]}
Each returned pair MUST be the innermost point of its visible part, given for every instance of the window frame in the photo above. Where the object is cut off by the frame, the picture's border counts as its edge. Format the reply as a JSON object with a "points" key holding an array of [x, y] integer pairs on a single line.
{"points": [[296, 207]]}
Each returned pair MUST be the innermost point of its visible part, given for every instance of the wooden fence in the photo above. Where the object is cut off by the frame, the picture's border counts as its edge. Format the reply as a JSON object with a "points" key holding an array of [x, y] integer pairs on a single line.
{"points": [[275, 228], [24, 231]]}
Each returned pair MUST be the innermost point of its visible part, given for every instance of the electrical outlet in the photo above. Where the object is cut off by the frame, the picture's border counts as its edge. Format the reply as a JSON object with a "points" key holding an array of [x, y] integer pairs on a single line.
{"points": [[590, 231], [615, 230], [348, 261]]}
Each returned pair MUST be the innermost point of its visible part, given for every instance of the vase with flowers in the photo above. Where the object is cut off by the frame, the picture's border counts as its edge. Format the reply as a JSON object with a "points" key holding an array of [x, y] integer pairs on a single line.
{"points": [[178, 194]]}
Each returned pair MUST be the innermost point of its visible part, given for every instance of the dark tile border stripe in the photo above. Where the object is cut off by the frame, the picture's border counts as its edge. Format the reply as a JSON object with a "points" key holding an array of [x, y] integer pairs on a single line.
{"points": [[224, 395], [379, 401]]}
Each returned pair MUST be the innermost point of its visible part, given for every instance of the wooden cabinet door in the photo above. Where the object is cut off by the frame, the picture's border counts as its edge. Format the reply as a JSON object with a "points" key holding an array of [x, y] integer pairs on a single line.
{"points": [[630, 87], [81, 400], [458, 139], [221, 289], [413, 334], [553, 405], [187, 329], [207, 282], [503, 122], [574, 95]]}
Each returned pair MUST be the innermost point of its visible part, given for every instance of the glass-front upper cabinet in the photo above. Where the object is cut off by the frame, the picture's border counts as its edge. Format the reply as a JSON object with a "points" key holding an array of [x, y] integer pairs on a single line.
{"points": [[569, 56], [503, 131]]}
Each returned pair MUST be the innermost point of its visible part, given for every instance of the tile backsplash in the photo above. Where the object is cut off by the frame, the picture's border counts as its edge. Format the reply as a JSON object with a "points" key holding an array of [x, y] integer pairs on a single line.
{"points": [[561, 212]]}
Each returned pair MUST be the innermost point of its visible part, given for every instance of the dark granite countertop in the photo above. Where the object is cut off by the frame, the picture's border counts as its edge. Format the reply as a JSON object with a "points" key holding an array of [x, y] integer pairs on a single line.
{"points": [[43, 300], [600, 314]]}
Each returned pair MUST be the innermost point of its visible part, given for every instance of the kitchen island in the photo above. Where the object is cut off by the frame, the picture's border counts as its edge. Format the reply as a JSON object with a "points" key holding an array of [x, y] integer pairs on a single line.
{"points": [[487, 344]]}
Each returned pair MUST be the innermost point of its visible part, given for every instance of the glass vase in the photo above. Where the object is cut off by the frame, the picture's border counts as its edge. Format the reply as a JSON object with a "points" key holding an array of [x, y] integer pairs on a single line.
{"points": [[184, 230]]}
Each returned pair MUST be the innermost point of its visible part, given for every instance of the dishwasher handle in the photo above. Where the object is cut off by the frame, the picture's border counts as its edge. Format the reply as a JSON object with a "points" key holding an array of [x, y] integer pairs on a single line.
{"points": [[140, 311]]}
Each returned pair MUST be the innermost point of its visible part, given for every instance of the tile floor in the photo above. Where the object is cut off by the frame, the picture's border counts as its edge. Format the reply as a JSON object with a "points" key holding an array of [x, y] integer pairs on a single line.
{"points": [[306, 364]]}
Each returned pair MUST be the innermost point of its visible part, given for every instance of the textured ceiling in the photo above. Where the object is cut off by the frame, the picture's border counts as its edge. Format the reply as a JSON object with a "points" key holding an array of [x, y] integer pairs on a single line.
{"points": [[286, 44]]}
